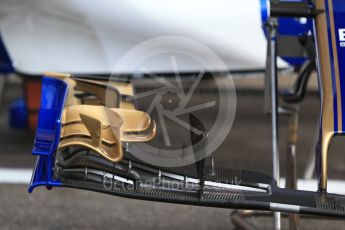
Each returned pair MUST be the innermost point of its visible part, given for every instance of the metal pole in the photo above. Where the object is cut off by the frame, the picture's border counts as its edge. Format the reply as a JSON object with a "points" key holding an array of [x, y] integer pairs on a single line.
{"points": [[291, 166], [274, 108]]}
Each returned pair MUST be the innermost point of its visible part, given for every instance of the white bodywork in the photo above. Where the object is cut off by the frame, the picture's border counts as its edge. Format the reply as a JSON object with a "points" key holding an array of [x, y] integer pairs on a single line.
{"points": [[90, 36]]}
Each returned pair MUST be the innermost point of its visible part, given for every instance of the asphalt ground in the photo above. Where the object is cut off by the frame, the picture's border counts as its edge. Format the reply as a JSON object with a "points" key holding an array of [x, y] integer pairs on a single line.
{"points": [[248, 146]]}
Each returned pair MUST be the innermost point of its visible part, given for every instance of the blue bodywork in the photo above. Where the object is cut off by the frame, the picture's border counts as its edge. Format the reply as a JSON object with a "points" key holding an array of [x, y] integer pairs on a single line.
{"points": [[289, 27], [54, 93], [5, 61], [337, 57]]}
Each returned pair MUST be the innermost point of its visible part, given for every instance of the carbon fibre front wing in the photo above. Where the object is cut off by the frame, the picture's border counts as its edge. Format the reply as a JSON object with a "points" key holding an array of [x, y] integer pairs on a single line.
{"points": [[197, 184]]}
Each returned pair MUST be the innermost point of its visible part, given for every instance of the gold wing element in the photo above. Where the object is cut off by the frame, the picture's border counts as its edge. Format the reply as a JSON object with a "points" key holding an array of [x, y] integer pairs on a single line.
{"points": [[100, 126]]}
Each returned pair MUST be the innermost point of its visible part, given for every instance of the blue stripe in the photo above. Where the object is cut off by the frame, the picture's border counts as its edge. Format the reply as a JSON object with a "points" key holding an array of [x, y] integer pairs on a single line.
{"points": [[334, 87]]}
